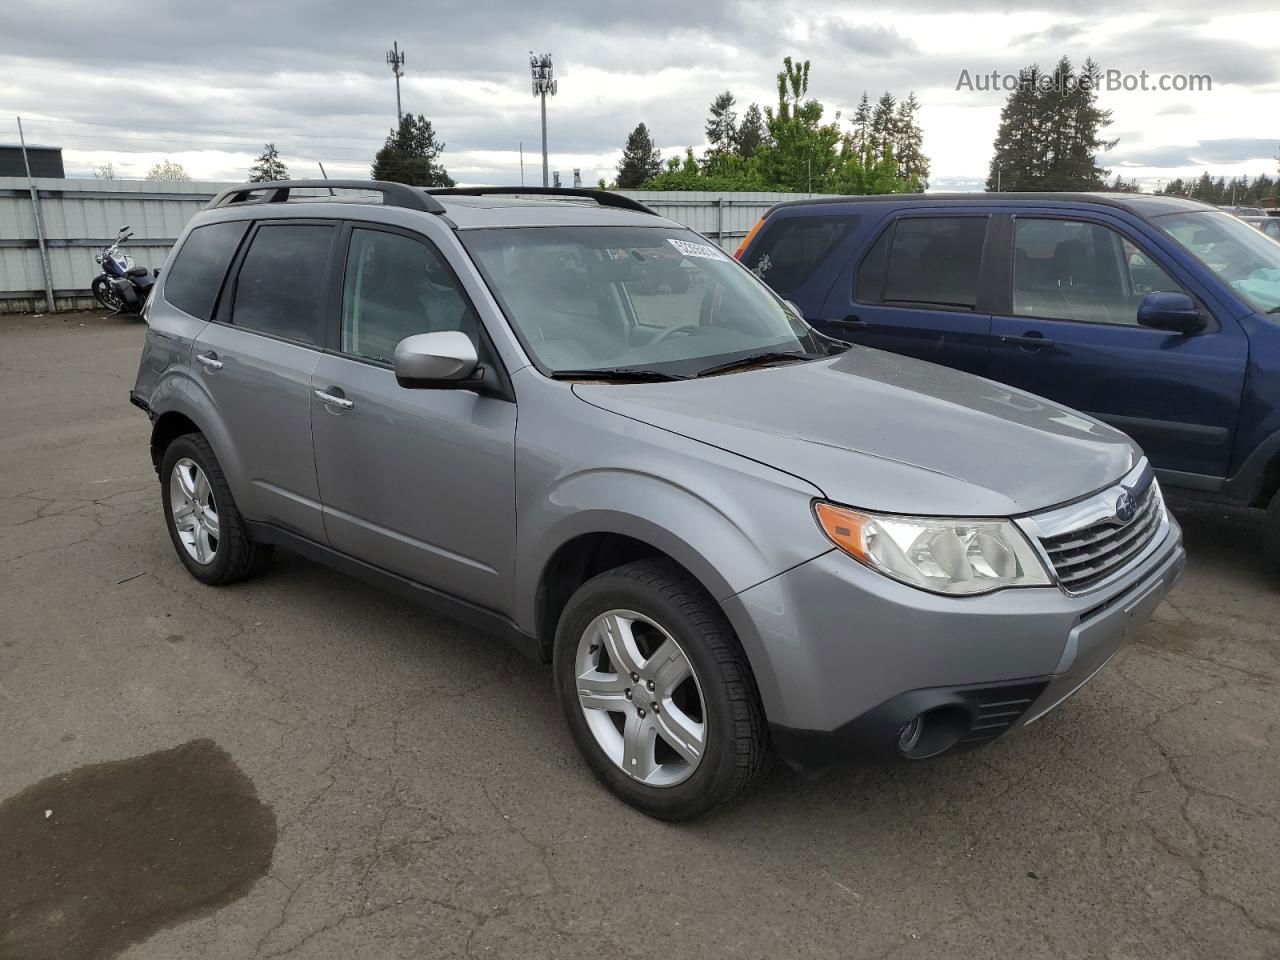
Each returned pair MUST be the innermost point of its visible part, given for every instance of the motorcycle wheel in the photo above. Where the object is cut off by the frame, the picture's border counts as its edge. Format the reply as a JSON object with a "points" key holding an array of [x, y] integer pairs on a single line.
{"points": [[106, 294]]}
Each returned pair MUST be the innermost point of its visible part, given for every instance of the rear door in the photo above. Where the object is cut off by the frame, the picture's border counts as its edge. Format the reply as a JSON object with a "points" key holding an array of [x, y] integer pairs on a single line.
{"points": [[917, 289], [1068, 330], [255, 361], [417, 482]]}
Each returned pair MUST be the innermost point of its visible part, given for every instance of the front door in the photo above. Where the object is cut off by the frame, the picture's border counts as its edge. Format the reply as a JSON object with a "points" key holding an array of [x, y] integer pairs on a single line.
{"points": [[417, 482], [255, 362], [1070, 333]]}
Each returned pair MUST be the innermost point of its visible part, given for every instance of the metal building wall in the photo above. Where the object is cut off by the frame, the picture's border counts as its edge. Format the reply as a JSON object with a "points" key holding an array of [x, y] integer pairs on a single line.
{"points": [[723, 217], [82, 216]]}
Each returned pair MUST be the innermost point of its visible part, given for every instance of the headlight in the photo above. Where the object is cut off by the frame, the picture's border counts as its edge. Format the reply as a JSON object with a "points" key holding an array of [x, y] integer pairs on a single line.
{"points": [[952, 556]]}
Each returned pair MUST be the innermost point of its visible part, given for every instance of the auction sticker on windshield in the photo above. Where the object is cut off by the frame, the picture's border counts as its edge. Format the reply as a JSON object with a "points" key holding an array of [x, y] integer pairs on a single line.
{"points": [[697, 250]]}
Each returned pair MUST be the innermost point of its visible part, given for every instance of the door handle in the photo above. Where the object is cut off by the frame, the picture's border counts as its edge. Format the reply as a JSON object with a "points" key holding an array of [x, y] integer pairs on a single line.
{"points": [[333, 400], [1032, 341], [210, 361], [849, 323]]}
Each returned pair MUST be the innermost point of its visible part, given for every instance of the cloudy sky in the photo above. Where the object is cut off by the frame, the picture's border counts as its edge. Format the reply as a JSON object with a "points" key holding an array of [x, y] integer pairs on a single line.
{"points": [[207, 83]]}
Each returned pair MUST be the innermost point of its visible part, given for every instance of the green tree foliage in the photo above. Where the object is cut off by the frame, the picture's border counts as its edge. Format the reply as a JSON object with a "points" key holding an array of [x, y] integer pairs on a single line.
{"points": [[750, 132], [791, 147], [801, 151], [1238, 190], [722, 127], [168, 170], [641, 160], [268, 166], [890, 127], [412, 155], [1050, 132]]}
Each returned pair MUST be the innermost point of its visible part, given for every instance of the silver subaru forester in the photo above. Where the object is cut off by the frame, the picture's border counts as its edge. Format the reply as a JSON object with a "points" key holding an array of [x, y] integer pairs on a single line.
{"points": [[576, 424]]}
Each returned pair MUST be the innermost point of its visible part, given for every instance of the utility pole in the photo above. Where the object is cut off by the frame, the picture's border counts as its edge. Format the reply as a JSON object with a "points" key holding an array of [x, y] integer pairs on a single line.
{"points": [[35, 213], [396, 61], [522, 163], [543, 84]]}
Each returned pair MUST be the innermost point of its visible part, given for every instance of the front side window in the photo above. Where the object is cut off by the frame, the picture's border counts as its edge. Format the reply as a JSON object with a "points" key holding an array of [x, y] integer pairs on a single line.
{"points": [[280, 287], [655, 298], [934, 262], [193, 281], [395, 287], [1076, 270], [1241, 256]]}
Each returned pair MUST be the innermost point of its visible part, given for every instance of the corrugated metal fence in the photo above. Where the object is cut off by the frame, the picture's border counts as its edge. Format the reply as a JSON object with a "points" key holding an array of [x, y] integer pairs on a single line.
{"points": [[81, 217]]}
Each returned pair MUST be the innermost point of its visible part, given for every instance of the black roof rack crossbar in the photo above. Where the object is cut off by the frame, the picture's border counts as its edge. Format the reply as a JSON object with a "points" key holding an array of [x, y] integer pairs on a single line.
{"points": [[277, 191], [603, 197]]}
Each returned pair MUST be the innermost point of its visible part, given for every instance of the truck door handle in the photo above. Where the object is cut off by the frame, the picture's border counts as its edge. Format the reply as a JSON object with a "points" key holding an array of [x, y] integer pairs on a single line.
{"points": [[1032, 341], [849, 323], [334, 400], [209, 360]]}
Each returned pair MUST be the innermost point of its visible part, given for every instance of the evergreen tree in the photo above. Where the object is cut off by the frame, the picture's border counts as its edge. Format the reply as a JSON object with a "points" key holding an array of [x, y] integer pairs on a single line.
{"points": [[883, 132], [908, 146], [860, 136], [268, 166], [722, 126], [641, 160], [1051, 132], [751, 132], [412, 155]]}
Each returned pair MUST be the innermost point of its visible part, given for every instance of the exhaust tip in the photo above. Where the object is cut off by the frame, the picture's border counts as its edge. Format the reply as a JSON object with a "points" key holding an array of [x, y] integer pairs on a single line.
{"points": [[933, 732]]}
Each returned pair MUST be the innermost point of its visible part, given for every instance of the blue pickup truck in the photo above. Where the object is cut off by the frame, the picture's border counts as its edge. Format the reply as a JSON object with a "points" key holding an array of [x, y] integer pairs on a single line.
{"points": [[1158, 315]]}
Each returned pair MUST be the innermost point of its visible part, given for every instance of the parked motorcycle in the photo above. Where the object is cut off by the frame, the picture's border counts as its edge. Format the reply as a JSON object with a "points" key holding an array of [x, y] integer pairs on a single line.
{"points": [[121, 286]]}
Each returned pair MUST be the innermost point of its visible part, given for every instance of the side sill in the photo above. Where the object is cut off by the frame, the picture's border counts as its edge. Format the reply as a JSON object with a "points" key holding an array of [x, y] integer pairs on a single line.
{"points": [[455, 608]]}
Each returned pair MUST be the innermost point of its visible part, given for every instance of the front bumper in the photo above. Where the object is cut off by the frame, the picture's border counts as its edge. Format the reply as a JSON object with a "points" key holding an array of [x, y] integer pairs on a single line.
{"points": [[845, 658]]}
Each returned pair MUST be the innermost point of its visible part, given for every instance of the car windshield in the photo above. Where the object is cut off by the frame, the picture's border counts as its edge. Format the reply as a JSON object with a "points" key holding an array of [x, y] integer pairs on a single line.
{"points": [[652, 299], [1241, 255]]}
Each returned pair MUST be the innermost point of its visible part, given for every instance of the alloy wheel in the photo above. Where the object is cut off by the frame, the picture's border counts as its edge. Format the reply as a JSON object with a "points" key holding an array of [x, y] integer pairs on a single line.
{"points": [[195, 515], [641, 698]]}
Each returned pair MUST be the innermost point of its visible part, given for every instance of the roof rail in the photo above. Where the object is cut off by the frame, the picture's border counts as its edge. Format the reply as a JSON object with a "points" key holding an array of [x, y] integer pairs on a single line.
{"points": [[277, 191], [603, 197]]}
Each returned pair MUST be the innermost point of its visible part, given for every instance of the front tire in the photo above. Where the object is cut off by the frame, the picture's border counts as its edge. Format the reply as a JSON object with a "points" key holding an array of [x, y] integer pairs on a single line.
{"points": [[657, 692], [106, 294], [204, 524]]}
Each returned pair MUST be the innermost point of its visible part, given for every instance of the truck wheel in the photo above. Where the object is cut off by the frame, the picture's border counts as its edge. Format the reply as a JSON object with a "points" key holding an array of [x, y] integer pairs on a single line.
{"points": [[657, 692], [1271, 533], [204, 524]]}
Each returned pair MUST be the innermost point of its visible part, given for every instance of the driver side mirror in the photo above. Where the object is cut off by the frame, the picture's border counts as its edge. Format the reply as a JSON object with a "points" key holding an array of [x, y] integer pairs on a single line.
{"points": [[1171, 311], [435, 360]]}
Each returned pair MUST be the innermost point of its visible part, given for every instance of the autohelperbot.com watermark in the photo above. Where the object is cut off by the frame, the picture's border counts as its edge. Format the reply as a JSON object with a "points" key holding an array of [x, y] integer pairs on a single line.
{"points": [[1108, 81]]}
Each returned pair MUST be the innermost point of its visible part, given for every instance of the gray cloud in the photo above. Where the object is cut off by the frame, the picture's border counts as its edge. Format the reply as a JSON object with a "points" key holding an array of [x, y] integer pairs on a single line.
{"points": [[1233, 150], [309, 74]]}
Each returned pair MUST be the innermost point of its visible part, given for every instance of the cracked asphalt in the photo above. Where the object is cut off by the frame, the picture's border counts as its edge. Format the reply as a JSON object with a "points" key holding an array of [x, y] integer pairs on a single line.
{"points": [[430, 804]]}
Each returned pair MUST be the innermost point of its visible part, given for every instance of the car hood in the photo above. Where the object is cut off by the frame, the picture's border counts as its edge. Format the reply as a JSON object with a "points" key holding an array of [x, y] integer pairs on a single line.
{"points": [[886, 432]]}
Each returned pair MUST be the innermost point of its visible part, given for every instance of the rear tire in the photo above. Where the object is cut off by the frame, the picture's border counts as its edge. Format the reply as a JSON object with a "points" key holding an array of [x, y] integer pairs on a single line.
{"points": [[208, 533], [705, 724], [1271, 533]]}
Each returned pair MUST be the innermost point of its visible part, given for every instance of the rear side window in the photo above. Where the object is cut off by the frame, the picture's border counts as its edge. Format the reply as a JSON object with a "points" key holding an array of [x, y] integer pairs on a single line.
{"points": [[197, 272], [934, 261], [792, 247], [280, 287]]}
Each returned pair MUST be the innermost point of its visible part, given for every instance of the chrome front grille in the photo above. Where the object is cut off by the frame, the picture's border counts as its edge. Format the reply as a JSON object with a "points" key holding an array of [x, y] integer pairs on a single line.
{"points": [[1088, 543]]}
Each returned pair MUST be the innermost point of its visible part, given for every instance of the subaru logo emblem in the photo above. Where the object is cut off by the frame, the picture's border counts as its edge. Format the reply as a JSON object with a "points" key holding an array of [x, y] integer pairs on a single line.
{"points": [[1126, 506]]}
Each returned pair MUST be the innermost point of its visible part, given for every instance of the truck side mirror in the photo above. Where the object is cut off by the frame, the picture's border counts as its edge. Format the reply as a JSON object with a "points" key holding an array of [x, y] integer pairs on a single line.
{"points": [[1171, 311]]}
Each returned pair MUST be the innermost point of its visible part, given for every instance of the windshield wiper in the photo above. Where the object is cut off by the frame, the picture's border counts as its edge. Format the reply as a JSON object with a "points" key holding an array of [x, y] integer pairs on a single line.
{"points": [[750, 359], [1273, 310], [613, 373]]}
